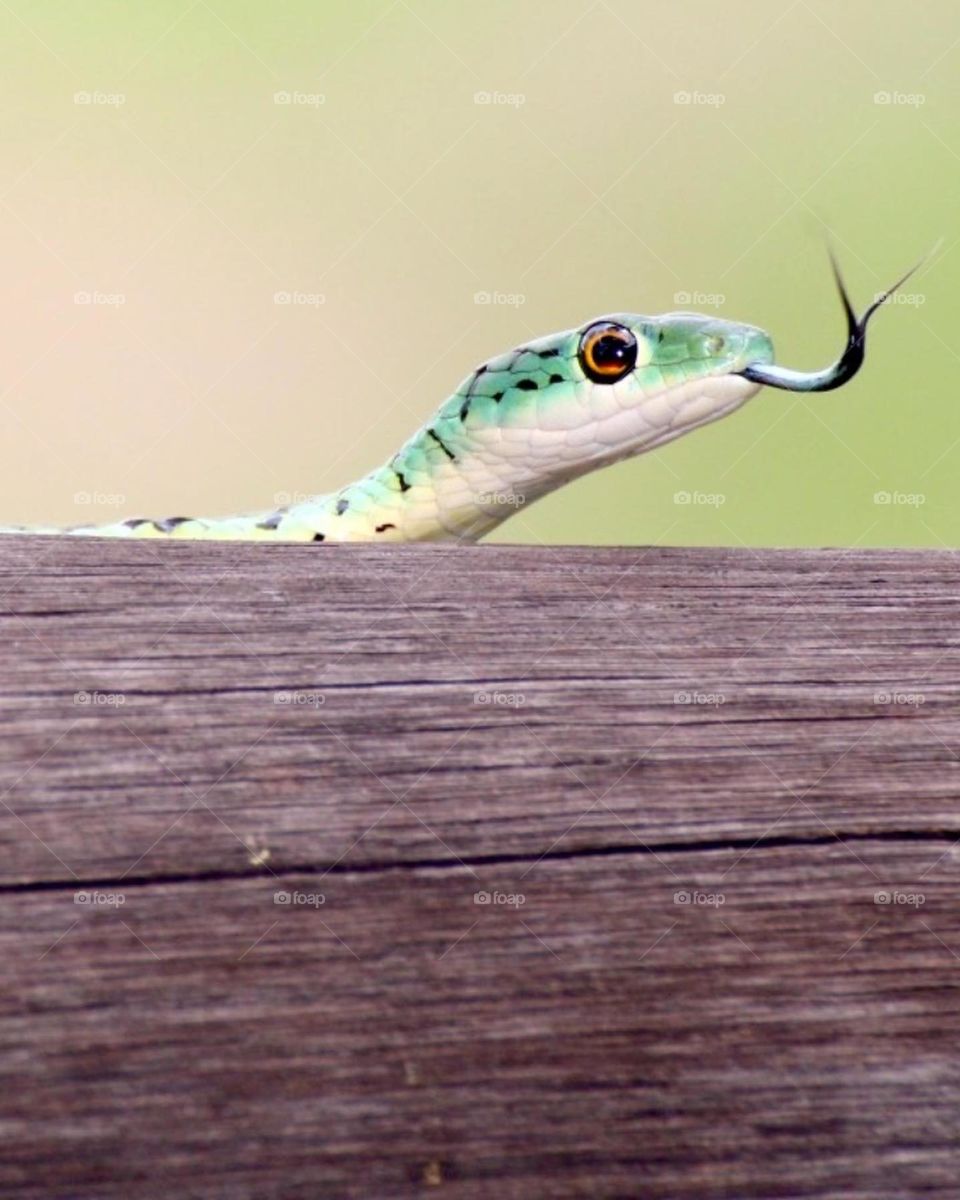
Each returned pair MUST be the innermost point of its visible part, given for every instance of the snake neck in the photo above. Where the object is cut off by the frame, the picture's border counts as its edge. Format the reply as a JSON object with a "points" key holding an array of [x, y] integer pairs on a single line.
{"points": [[441, 485], [468, 470]]}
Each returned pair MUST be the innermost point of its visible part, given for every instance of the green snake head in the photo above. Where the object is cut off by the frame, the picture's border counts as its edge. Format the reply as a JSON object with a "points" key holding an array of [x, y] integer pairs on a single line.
{"points": [[618, 385], [526, 422]]}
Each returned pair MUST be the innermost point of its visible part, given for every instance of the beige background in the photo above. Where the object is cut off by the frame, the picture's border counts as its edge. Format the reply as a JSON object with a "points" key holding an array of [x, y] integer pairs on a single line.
{"points": [[399, 197]]}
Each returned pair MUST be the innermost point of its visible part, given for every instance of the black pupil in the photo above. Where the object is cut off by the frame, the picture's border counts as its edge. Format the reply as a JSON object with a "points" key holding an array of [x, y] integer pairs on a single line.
{"points": [[609, 350]]}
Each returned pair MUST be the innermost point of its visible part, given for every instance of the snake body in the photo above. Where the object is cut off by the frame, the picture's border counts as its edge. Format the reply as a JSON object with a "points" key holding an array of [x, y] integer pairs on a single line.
{"points": [[526, 422]]}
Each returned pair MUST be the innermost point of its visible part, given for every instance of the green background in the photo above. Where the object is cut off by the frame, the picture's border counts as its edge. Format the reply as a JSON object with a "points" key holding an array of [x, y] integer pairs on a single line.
{"points": [[398, 198]]}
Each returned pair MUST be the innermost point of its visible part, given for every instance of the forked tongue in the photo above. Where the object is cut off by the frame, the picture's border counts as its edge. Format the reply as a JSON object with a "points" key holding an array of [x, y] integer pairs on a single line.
{"points": [[849, 362]]}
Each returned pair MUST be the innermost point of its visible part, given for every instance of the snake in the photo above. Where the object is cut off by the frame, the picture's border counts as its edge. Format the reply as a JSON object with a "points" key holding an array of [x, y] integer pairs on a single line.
{"points": [[526, 422]]}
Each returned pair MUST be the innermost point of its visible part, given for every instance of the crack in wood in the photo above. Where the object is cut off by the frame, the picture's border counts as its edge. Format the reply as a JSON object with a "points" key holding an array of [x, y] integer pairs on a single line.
{"points": [[284, 871]]}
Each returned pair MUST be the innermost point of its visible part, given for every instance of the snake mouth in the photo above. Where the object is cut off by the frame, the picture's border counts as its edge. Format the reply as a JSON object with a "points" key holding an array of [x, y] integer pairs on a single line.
{"points": [[849, 362]]}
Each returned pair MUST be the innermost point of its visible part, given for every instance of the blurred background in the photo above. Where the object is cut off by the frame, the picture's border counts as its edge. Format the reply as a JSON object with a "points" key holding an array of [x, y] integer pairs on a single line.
{"points": [[249, 248]]}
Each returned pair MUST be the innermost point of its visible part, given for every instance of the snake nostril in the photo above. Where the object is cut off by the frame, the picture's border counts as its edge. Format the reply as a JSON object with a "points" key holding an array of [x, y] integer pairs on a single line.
{"points": [[715, 344]]}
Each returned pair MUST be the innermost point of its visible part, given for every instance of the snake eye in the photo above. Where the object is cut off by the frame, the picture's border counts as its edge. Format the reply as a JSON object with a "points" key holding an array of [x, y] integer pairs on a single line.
{"points": [[607, 352]]}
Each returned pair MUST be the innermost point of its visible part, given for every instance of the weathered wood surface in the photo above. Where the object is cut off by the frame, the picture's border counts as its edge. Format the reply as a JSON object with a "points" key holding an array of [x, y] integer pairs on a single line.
{"points": [[700, 994]]}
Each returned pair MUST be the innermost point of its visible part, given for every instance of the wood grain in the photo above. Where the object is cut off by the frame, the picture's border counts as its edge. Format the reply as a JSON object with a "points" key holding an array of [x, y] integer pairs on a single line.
{"points": [[494, 871]]}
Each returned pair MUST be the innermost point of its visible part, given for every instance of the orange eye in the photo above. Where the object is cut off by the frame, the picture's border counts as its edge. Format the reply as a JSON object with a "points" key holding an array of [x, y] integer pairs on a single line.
{"points": [[607, 352]]}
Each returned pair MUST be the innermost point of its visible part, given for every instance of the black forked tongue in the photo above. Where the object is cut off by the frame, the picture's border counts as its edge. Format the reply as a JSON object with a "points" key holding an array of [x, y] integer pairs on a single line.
{"points": [[849, 362]]}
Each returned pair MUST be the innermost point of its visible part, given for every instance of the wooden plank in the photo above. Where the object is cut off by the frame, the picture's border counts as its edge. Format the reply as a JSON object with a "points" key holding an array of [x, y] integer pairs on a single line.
{"points": [[405, 736], [699, 768], [597, 1040]]}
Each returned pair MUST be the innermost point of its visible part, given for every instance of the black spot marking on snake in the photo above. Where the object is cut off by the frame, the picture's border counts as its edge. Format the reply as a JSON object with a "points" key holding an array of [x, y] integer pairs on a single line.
{"points": [[556, 379], [319, 537], [404, 486], [169, 524], [342, 506], [446, 449], [271, 522], [527, 385], [384, 528], [136, 522], [497, 397], [661, 335], [465, 406], [549, 353]]}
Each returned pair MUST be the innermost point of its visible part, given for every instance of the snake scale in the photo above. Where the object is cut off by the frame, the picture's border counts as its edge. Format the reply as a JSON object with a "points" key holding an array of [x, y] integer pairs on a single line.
{"points": [[524, 423]]}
